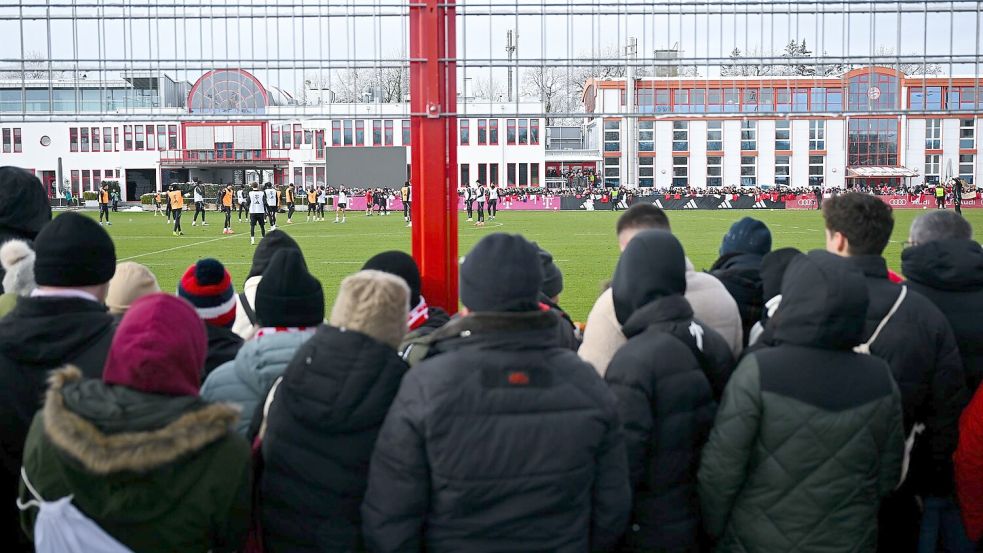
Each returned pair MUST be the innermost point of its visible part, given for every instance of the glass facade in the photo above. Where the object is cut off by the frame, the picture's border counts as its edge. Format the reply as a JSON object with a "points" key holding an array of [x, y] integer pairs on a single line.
{"points": [[874, 92], [872, 142]]}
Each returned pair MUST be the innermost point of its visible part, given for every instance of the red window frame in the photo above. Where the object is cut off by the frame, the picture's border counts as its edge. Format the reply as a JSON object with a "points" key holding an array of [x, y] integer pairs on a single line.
{"points": [[139, 140], [510, 174], [336, 133], [96, 179], [8, 144], [523, 130], [523, 175], [298, 136], [349, 133], [172, 137], [96, 141], [285, 134], [18, 147], [464, 131], [407, 135], [76, 187], [510, 132], [390, 132], [275, 137], [84, 139], [377, 132], [86, 180], [482, 132], [107, 139], [359, 132], [534, 133], [319, 143], [108, 173], [73, 139], [493, 132], [534, 173], [161, 137], [150, 138]]}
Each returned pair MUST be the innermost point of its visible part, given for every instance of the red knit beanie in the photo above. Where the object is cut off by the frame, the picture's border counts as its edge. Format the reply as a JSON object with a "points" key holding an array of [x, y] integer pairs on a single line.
{"points": [[159, 348], [208, 287]]}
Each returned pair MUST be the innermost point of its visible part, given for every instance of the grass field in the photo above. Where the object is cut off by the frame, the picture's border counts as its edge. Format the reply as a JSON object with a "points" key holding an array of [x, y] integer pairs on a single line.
{"points": [[583, 244]]}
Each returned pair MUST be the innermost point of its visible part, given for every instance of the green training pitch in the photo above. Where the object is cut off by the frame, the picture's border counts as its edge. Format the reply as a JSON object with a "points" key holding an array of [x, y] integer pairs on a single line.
{"points": [[583, 244]]}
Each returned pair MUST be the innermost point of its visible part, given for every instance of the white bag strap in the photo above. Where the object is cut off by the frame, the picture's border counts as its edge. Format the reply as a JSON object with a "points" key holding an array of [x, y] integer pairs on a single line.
{"points": [[909, 444], [864, 348], [266, 406], [36, 502]]}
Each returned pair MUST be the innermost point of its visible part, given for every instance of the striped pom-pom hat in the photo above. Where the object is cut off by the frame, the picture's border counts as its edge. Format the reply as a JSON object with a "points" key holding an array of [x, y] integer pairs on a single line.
{"points": [[208, 287]]}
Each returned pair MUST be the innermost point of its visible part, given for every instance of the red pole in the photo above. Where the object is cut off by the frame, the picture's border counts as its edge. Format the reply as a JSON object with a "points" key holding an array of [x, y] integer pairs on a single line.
{"points": [[433, 162]]}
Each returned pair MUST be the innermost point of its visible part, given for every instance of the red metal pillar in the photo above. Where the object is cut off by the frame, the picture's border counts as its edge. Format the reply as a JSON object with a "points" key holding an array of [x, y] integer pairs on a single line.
{"points": [[433, 104]]}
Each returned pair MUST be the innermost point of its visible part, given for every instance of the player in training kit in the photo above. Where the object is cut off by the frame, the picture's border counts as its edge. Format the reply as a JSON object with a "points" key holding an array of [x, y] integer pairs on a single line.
{"points": [[175, 200], [270, 205], [479, 198], [312, 204], [242, 197], [370, 203], [406, 194], [492, 201], [199, 198], [257, 211], [104, 203], [226, 195], [469, 201], [342, 204], [322, 200], [157, 208], [290, 193]]}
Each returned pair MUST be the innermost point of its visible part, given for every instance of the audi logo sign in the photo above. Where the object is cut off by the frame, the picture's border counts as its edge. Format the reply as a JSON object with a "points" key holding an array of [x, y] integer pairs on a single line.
{"points": [[807, 202], [898, 201]]}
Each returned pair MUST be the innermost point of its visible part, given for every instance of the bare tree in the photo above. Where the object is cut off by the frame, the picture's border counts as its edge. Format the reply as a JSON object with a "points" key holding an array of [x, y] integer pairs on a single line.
{"points": [[393, 84], [909, 68], [487, 88], [35, 67], [551, 86], [351, 84], [741, 68]]}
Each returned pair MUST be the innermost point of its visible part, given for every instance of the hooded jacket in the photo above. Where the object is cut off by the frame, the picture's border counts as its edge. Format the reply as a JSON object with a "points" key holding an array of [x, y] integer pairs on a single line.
{"points": [[808, 437], [500, 442], [223, 345], [273, 241], [920, 348], [24, 207], [740, 273], [950, 274], [158, 473], [39, 335], [662, 379], [710, 301], [246, 380]]}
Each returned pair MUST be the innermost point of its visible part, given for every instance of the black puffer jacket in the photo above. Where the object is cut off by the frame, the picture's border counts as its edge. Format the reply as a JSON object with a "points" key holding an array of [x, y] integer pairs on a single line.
{"points": [[950, 274], [740, 273], [24, 208], [38, 336], [661, 378], [501, 442], [808, 437], [566, 331], [223, 345], [919, 346], [321, 430]]}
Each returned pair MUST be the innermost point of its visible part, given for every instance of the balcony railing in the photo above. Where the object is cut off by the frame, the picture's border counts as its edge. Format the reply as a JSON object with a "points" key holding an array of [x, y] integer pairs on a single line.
{"points": [[587, 154], [223, 156]]}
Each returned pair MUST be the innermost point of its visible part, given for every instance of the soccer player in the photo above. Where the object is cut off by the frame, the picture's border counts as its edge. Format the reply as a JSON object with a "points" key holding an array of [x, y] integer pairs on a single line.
{"points": [[322, 200], [257, 211], [242, 195], [104, 203], [290, 194], [198, 192], [227, 194], [342, 204], [271, 201], [175, 200], [369, 203], [493, 201], [406, 193], [479, 197], [312, 204], [157, 209], [469, 201]]}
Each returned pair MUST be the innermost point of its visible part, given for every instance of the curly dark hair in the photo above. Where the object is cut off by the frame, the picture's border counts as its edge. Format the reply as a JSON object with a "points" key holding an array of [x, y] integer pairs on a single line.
{"points": [[865, 220]]}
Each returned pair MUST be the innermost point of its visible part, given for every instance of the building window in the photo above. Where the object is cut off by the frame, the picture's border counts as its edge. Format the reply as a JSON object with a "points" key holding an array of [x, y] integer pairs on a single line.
{"points": [[817, 170], [107, 139], [533, 173], [150, 138], [966, 167], [349, 136], [612, 135], [465, 133], [750, 102], [933, 134], [493, 132], [389, 132], [128, 137], [646, 172], [86, 180], [715, 171], [172, 137], [612, 172], [298, 135], [482, 133], [749, 171], [782, 170], [483, 172], [138, 140], [510, 131], [534, 137], [335, 133], [967, 134], [96, 141], [523, 174], [715, 136], [274, 137], [407, 135], [377, 132], [161, 137], [359, 132], [465, 174], [18, 147], [523, 131], [84, 139], [510, 174], [929, 98], [308, 139], [783, 135], [749, 135], [319, 143], [817, 135], [285, 136], [493, 172], [680, 171], [872, 142], [646, 136], [8, 144], [680, 136], [932, 168], [73, 139]]}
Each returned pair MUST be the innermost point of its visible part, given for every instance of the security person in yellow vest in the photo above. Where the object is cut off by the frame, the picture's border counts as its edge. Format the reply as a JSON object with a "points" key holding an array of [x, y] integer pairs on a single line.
{"points": [[406, 194], [104, 203], [940, 196]]}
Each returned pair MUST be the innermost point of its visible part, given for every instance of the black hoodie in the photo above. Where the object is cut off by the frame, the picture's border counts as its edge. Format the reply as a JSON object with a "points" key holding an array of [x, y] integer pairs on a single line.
{"points": [[269, 245], [40, 335], [950, 274], [740, 273], [665, 378], [24, 208]]}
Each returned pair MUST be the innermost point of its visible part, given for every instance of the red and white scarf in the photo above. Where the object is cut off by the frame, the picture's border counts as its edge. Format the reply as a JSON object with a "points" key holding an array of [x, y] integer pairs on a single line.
{"points": [[418, 315], [268, 330]]}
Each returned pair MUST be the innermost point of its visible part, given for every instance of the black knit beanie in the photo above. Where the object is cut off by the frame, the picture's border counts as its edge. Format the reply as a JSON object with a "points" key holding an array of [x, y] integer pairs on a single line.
{"points": [[399, 264], [24, 208], [552, 276], [73, 250], [502, 272], [269, 245], [288, 295]]}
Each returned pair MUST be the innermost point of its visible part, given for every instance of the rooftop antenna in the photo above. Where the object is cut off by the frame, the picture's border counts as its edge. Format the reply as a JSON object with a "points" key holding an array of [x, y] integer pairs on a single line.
{"points": [[511, 45]]}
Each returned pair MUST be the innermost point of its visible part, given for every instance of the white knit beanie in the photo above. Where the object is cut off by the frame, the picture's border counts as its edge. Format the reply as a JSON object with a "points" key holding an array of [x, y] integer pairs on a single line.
{"points": [[17, 259], [373, 303]]}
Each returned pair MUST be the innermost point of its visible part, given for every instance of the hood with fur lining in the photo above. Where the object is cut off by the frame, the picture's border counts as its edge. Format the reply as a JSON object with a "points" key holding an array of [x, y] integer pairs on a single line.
{"points": [[138, 451]]}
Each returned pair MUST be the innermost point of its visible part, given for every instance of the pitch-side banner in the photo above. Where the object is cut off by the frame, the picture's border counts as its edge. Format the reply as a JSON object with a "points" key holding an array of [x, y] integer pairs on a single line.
{"points": [[677, 202], [900, 201]]}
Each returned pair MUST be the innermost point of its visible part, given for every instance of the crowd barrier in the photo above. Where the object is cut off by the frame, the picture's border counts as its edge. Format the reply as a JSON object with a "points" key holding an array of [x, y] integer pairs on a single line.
{"points": [[897, 201]]}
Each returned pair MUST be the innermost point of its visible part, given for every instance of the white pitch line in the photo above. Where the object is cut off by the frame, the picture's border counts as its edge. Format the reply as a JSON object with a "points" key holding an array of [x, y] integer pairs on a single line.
{"points": [[182, 246]]}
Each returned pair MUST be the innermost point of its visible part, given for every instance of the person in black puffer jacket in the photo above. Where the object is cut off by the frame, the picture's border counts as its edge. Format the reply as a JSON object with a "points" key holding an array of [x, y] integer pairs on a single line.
{"points": [[739, 268], [921, 349], [549, 297], [24, 208], [325, 417], [945, 265], [501, 441], [422, 318], [662, 377]]}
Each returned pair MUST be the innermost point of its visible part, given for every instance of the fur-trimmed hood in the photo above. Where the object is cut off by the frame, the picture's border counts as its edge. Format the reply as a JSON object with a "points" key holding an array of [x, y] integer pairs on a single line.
{"points": [[189, 425]]}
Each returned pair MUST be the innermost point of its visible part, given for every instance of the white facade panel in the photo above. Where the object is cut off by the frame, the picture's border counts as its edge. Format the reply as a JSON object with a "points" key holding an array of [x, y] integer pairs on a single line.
{"points": [[732, 153], [950, 147], [698, 154], [663, 156], [835, 153], [915, 149], [799, 163], [766, 152]]}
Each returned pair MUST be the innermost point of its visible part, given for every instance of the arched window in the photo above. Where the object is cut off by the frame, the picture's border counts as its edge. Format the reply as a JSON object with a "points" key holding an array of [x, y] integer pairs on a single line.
{"points": [[228, 91]]}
